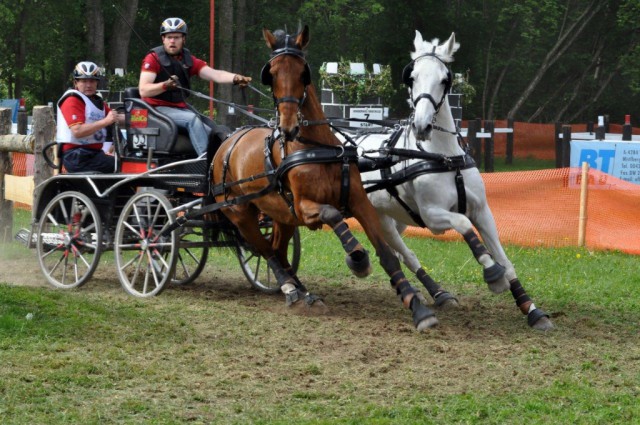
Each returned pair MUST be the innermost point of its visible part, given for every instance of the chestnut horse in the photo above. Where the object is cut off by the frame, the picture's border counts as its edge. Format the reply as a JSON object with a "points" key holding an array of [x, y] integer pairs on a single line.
{"points": [[299, 174]]}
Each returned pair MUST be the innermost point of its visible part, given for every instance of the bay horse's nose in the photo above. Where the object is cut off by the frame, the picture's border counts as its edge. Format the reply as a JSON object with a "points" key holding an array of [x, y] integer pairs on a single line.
{"points": [[289, 123]]}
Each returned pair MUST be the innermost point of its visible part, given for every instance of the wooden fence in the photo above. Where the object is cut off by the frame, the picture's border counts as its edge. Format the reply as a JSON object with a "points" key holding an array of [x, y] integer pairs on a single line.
{"points": [[43, 131]]}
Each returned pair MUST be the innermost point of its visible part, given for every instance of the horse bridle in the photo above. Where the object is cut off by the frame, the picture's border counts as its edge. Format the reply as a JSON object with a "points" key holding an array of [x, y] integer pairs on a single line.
{"points": [[267, 78], [406, 78]]}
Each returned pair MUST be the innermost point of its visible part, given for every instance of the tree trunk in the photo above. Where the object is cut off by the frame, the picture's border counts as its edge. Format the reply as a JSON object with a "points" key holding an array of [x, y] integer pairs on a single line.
{"points": [[21, 49], [6, 207], [121, 35], [95, 31], [225, 55], [239, 51], [565, 40]]}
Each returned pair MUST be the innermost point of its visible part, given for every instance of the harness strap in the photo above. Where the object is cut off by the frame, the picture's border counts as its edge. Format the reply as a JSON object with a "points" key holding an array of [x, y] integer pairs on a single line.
{"points": [[390, 180]]}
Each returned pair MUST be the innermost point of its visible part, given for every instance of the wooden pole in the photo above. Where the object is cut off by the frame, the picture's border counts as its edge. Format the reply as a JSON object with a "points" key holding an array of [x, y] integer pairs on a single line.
{"points": [[16, 143], [566, 145], [558, 139], [474, 142], [44, 131], [584, 185], [509, 158], [489, 127], [6, 165]]}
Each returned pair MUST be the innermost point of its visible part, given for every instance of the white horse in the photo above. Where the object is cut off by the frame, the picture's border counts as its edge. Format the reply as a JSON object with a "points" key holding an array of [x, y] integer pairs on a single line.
{"points": [[435, 184]]}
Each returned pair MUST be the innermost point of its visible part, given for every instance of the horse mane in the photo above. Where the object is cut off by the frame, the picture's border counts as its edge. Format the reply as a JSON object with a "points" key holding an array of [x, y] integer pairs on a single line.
{"points": [[440, 50]]}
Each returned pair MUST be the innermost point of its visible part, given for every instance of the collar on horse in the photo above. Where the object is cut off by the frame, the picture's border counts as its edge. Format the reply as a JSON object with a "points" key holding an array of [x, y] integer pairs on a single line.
{"points": [[431, 163], [318, 154]]}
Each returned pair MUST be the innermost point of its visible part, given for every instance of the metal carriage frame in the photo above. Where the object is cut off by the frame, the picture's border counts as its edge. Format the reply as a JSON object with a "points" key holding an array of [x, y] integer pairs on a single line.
{"points": [[79, 216]]}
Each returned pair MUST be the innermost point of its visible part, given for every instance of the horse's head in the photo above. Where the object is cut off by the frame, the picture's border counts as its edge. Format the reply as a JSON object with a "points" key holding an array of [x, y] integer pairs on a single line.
{"points": [[288, 74], [429, 80]]}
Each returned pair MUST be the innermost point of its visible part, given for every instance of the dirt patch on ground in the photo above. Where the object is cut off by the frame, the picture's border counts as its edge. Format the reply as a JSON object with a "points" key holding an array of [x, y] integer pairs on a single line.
{"points": [[235, 340]]}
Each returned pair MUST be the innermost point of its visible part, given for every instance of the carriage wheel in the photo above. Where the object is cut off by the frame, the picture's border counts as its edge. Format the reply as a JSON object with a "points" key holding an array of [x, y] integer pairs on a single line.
{"points": [[255, 267], [193, 250], [69, 240], [144, 258]]}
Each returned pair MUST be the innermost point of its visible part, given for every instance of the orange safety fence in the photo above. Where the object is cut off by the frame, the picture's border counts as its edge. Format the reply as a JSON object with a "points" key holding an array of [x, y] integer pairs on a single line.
{"points": [[537, 208], [536, 140], [542, 208]]}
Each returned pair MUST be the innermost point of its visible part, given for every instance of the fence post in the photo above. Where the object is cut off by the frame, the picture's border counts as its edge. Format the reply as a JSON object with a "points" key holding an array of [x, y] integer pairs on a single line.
{"points": [[566, 145], [626, 128], [489, 127], [472, 140], [6, 207], [44, 130], [509, 158], [590, 127], [558, 138], [22, 119]]}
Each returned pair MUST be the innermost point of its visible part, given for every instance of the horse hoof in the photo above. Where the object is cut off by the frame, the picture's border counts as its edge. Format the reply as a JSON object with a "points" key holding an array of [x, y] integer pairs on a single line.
{"points": [[499, 286], [494, 273], [359, 264], [427, 323], [539, 320], [446, 301], [309, 305]]}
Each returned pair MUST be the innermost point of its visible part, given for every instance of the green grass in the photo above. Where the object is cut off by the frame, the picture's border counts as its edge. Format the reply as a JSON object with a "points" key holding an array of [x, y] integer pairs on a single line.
{"points": [[223, 353]]}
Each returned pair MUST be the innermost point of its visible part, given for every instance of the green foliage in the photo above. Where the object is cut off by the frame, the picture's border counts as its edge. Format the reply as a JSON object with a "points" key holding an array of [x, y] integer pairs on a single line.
{"points": [[119, 83], [354, 88], [462, 86]]}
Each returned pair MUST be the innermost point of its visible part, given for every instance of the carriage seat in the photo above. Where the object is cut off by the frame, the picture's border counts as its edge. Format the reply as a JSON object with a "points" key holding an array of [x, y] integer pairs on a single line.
{"points": [[147, 128]]}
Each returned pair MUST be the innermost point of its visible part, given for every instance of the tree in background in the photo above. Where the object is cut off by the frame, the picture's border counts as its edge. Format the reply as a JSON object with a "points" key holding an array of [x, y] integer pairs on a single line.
{"points": [[534, 60]]}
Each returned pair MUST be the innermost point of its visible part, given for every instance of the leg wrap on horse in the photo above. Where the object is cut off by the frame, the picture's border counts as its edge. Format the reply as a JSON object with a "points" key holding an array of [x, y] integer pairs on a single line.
{"points": [[298, 284], [349, 242], [520, 295], [281, 275], [439, 295], [402, 286], [527, 306], [477, 248]]}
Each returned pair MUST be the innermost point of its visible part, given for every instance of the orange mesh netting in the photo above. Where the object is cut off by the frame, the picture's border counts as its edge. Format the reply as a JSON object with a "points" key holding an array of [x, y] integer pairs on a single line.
{"points": [[536, 140], [542, 208]]}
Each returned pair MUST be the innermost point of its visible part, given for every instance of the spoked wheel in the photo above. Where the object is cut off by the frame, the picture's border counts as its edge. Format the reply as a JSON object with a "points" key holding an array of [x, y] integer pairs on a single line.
{"points": [[193, 249], [145, 259], [255, 267], [69, 240]]}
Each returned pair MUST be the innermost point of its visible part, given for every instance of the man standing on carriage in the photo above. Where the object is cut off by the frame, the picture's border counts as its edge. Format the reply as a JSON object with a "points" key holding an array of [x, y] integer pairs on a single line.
{"points": [[83, 118], [170, 66]]}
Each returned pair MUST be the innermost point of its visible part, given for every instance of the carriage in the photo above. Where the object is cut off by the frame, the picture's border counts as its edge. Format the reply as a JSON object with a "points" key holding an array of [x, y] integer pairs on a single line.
{"points": [[147, 214], [267, 181]]}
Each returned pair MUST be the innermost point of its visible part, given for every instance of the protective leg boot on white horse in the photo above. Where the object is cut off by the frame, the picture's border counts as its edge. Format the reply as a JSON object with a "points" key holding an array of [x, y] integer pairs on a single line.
{"points": [[436, 184]]}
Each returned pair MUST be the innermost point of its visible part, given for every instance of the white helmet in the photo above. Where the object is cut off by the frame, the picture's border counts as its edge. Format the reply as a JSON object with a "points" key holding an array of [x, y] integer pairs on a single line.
{"points": [[86, 70], [173, 25]]}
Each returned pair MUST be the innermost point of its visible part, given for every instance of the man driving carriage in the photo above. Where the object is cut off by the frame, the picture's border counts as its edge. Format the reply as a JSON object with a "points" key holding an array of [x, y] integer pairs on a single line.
{"points": [[83, 118], [170, 66]]}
